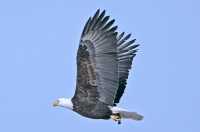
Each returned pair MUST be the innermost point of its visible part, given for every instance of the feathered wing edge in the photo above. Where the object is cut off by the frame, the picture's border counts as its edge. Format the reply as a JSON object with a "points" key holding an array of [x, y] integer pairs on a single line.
{"points": [[126, 51]]}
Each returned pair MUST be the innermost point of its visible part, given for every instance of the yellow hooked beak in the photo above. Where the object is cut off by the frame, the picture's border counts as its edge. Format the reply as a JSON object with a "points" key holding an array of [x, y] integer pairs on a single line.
{"points": [[55, 103]]}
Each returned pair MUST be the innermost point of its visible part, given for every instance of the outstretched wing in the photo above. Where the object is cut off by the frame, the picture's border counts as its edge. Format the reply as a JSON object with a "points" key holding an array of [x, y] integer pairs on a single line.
{"points": [[126, 51], [97, 61]]}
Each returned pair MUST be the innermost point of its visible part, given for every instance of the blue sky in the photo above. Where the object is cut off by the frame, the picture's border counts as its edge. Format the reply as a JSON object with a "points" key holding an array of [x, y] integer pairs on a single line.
{"points": [[38, 44]]}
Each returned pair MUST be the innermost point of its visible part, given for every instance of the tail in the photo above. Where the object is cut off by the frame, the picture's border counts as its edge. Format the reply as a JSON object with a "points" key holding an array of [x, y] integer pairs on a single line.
{"points": [[126, 114], [131, 115]]}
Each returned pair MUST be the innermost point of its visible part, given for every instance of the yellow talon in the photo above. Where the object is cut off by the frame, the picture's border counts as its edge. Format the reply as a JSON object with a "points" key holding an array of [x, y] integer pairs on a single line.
{"points": [[116, 117]]}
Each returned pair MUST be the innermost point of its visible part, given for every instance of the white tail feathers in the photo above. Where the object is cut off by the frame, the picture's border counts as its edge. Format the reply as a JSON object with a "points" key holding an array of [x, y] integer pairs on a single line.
{"points": [[126, 114], [131, 115]]}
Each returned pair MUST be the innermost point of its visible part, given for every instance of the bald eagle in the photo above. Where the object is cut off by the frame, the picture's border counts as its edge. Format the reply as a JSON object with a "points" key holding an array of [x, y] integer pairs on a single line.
{"points": [[104, 59]]}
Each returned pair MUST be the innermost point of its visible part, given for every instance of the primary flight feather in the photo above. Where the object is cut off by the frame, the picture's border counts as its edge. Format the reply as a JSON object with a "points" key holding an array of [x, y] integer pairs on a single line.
{"points": [[104, 59]]}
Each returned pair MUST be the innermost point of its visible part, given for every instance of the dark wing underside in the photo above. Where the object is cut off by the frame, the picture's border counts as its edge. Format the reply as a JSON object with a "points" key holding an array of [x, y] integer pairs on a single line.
{"points": [[126, 51], [103, 61]]}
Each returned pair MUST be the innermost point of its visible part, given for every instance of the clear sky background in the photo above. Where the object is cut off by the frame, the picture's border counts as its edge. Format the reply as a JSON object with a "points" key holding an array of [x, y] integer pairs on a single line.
{"points": [[38, 45]]}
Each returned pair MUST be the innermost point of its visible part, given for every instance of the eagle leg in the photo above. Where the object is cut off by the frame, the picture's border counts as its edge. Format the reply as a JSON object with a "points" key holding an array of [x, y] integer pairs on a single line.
{"points": [[116, 117]]}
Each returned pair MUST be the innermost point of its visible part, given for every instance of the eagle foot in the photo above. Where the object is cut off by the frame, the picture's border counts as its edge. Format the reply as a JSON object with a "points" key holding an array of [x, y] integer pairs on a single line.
{"points": [[116, 117]]}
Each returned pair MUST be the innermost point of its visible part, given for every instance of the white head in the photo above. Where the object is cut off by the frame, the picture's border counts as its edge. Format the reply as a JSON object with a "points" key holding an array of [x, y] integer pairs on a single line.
{"points": [[63, 102]]}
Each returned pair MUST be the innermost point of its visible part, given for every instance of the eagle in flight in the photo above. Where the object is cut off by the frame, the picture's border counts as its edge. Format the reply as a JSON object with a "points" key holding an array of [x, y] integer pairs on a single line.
{"points": [[104, 59]]}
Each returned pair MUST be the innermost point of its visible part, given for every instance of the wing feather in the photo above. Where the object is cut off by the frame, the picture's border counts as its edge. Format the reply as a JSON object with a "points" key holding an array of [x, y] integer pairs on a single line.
{"points": [[126, 53], [103, 61], [99, 40]]}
